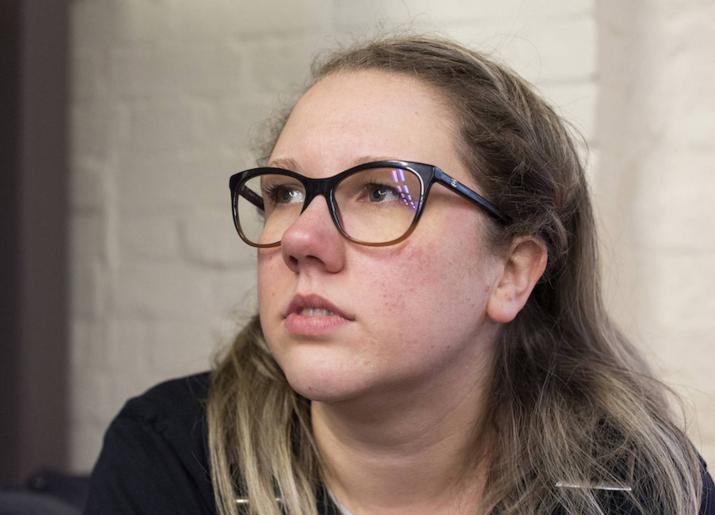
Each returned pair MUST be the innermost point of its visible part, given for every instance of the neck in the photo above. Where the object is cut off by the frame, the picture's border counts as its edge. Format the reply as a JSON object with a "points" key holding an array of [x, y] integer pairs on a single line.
{"points": [[410, 451]]}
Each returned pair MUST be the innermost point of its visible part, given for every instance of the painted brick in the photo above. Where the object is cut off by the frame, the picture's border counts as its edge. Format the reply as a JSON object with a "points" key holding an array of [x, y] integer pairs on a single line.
{"points": [[172, 70], [92, 404], [209, 239], [575, 102], [371, 13], [242, 127], [86, 238], [129, 340], [279, 16], [142, 22], [92, 23], [87, 72], [164, 290], [89, 420], [536, 48], [281, 65], [87, 188], [673, 207], [88, 343], [234, 292], [672, 293], [92, 128], [164, 183], [148, 238], [224, 329], [687, 102], [188, 344], [168, 125], [87, 289]]}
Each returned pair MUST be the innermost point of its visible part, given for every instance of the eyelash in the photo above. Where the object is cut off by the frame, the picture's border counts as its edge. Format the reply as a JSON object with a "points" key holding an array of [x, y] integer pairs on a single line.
{"points": [[271, 192]]}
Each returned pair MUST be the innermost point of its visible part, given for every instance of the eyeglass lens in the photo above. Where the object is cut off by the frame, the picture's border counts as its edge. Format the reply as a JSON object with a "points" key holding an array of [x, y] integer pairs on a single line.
{"points": [[376, 205]]}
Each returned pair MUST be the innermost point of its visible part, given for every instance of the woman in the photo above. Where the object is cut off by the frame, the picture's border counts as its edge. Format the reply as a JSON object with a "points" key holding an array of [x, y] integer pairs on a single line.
{"points": [[431, 336]]}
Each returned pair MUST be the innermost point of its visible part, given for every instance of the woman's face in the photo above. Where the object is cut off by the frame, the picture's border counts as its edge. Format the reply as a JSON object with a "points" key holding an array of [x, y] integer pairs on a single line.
{"points": [[345, 320]]}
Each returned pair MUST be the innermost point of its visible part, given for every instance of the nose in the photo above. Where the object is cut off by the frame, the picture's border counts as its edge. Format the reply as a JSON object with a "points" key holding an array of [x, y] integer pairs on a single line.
{"points": [[313, 240]]}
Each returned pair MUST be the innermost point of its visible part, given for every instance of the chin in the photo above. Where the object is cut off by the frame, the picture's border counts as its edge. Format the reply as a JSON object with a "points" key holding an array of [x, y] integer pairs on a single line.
{"points": [[326, 381], [323, 387]]}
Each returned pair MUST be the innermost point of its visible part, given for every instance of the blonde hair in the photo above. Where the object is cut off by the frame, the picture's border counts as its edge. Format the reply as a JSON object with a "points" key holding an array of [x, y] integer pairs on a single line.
{"points": [[570, 400]]}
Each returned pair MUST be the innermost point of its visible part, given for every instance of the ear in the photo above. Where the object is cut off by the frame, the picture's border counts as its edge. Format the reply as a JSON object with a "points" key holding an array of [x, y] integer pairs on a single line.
{"points": [[524, 265]]}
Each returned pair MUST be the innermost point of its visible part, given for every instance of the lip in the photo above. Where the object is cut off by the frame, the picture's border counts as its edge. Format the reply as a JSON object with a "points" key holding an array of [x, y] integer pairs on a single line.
{"points": [[312, 300], [313, 325]]}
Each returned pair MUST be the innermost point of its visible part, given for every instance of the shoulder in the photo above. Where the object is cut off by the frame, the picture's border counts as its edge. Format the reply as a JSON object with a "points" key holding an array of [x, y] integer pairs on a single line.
{"points": [[174, 410], [154, 454], [182, 399], [707, 506], [707, 499]]}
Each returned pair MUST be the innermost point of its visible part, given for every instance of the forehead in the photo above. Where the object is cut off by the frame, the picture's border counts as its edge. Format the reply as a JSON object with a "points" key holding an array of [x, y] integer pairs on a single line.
{"points": [[347, 115]]}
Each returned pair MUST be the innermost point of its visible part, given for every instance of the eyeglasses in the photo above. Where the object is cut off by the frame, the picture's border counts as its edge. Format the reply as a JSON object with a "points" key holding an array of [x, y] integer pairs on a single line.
{"points": [[373, 204]]}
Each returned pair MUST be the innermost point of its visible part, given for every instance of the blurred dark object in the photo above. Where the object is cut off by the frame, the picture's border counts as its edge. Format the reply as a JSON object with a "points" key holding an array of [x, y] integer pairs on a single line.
{"points": [[34, 309], [71, 489], [22, 502], [46, 493]]}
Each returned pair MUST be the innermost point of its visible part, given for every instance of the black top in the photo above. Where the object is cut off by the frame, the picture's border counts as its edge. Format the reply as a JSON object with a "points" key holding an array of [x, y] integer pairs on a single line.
{"points": [[154, 458]]}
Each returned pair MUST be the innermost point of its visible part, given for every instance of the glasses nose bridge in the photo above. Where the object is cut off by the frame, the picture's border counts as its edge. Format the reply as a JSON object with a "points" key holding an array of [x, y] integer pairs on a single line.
{"points": [[316, 187]]}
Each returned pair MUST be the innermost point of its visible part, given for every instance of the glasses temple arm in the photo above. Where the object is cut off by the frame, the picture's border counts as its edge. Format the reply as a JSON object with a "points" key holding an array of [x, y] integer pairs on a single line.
{"points": [[252, 197], [468, 193]]}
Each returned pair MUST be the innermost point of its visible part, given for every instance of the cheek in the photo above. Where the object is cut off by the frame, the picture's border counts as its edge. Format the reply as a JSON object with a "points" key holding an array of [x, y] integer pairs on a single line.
{"points": [[450, 279], [409, 273], [426, 310], [420, 284], [271, 271]]}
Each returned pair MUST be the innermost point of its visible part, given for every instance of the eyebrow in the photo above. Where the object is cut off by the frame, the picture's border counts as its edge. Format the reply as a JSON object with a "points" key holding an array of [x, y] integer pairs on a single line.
{"points": [[283, 162], [291, 164]]}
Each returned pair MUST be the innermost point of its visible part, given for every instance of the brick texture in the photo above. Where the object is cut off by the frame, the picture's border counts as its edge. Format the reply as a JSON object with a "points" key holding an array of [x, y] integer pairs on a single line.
{"points": [[655, 186]]}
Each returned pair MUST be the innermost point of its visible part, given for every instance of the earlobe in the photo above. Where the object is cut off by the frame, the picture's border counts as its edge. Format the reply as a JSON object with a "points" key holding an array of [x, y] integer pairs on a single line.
{"points": [[524, 265]]}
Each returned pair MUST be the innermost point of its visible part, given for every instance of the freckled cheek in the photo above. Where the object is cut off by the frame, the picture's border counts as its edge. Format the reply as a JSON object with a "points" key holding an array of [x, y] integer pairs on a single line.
{"points": [[262, 283], [269, 276], [406, 287], [446, 277], [421, 267]]}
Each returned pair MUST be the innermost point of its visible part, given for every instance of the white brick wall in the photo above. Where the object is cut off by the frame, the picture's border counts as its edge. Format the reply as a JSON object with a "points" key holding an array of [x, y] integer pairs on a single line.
{"points": [[167, 98], [656, 184]]}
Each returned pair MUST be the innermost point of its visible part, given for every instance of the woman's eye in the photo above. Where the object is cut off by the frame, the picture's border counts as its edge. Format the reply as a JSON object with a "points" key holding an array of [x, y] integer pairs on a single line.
{"points": [[283, 194], [381, 193]]}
